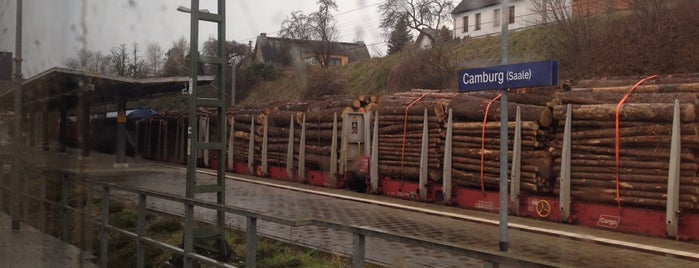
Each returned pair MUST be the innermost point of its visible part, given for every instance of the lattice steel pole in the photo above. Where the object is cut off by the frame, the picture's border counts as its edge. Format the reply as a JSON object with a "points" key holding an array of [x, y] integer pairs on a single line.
{"points": [[17, 132]]}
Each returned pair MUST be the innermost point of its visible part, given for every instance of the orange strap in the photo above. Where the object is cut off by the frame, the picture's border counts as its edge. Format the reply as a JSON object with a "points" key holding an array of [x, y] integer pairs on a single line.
{"points": [[485, 120], [618, 108], [405, 131]]}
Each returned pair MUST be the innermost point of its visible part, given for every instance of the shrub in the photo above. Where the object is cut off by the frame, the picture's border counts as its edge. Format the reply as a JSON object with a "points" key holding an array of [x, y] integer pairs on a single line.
{"points": [[250, 74], [427, 69], [165, 225], [126, 219], [324, 81]]}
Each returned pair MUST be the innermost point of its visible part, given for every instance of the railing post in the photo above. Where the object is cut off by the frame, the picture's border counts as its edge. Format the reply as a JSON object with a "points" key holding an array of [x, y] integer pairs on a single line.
{"points": [[104, 238], [64, 207], [42, 203], [251, 242], [25, 195], [14, 195], [2, 185], [188, 243], [88, 236], [358, 252], [141, 231]]}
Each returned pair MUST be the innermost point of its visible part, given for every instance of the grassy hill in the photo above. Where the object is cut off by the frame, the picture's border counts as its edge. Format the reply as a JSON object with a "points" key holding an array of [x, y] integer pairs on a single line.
{"points": [[433, 69], [625, 44]]}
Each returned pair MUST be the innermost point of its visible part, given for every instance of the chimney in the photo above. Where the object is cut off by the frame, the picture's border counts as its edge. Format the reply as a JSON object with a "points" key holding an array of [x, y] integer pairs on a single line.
{"points": [[263, 35]]}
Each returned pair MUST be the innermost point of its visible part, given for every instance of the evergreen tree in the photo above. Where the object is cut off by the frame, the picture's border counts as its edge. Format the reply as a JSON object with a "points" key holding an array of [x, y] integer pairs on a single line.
{"points": [[400, 36]]}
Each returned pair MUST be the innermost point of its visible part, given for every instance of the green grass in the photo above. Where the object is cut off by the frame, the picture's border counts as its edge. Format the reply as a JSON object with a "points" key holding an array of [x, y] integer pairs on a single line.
{"points": [[168, 229], [371, 76]]}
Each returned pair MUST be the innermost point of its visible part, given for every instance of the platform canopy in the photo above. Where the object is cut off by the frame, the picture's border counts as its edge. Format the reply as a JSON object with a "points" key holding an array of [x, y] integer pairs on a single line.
{"points": [[59, 86]]}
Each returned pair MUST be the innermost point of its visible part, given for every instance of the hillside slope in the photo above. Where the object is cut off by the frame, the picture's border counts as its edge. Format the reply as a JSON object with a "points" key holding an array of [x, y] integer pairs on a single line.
{"points": [[379, 75]]}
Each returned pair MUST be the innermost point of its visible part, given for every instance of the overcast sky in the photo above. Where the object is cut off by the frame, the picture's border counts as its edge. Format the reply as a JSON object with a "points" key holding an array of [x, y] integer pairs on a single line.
{"points": [[54, 30]]}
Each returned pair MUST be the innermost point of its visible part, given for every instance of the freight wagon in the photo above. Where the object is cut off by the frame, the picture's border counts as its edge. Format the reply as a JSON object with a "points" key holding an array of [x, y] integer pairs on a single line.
{"points": [[580, 156]]}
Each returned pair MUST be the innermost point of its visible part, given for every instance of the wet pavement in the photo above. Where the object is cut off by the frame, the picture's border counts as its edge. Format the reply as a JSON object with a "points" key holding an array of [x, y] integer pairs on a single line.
{"points": [[29, 247], [296, 202]]}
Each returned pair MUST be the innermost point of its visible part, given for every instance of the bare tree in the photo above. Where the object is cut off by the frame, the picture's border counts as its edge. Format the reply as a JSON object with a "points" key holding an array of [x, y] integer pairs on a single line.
{"points": [[102, 64], [422, 15], [91, 61], [325, 30], [120, 60], [298, 26], [318, 26], [176, 58], [154, 58], [136, 66], [570, 39], [82, 61]]}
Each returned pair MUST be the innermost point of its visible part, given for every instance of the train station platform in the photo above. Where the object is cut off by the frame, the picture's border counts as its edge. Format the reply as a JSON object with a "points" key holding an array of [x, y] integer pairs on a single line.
{"points": [[29, 247], [561, 244]]}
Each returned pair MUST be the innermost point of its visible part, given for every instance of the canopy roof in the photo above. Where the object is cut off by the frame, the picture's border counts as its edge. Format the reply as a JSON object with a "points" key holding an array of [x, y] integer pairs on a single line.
{"points": [[59, 85]]}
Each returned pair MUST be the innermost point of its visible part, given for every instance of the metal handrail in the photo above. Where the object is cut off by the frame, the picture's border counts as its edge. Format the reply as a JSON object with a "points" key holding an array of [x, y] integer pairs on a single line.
{"points": [[359, 232]]}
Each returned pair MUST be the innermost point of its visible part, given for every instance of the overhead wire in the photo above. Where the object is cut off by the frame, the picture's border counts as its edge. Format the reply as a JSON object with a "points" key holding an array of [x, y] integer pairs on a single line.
{"points": [[247, 14]]}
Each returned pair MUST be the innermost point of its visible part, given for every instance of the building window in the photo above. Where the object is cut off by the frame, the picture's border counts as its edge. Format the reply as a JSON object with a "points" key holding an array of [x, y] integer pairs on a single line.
{"points": [[512, 15], [465, 21], [496, 18], [334, 61], [311, 60], [478, 21]]}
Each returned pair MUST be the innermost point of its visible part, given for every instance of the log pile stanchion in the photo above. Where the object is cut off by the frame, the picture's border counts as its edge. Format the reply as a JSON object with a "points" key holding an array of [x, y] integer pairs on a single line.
{"points": [[645, 131], [279, 118], [401, 131], [319, 129], [537, 174], [158, 137], [243, 117]]}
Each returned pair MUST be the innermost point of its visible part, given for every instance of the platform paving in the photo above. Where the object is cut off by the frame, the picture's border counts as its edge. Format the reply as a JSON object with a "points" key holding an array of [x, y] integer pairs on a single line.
{"points": [[591, 248], [29, 247]]}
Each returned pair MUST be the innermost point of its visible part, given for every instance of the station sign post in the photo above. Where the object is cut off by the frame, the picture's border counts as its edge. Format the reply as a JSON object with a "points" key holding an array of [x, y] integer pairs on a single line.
{"points": [[504, 77], [532, 74]]}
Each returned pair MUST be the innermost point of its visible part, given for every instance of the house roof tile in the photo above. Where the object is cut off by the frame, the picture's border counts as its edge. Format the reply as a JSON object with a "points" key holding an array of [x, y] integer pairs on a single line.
{"points": [[468, 5], [284, 50]]}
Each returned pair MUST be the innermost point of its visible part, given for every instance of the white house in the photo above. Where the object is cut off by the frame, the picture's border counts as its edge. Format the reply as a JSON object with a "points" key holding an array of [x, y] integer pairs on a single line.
{"points": [[482, 17], [423, 41]]}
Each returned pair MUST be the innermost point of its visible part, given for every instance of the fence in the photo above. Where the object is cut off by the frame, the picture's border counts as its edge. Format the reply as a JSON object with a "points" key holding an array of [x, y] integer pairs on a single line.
{"points": [[68, 182]]}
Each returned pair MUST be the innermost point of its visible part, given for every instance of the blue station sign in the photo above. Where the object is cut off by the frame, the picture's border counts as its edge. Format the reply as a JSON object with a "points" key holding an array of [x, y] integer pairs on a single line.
{"points": [[531, 74]]}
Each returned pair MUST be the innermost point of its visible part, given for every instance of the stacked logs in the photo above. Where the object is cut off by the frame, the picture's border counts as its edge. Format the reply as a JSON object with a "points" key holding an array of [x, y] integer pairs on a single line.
{"points": [[360, 103], [242, 119], [319, 123], [468, 138], [645, 129], [279, 118], [319, 128], [400, 136]]}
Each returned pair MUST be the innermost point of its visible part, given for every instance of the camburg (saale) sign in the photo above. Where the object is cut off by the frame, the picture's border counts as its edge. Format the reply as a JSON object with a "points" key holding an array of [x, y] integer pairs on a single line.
{"points": [[531, 74]]}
